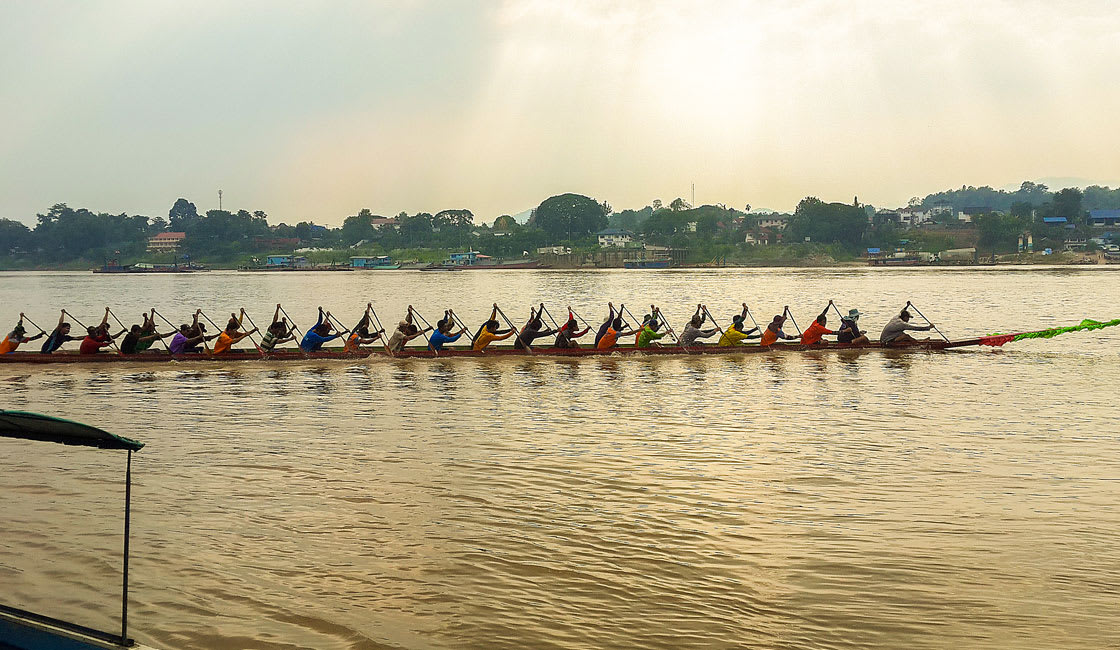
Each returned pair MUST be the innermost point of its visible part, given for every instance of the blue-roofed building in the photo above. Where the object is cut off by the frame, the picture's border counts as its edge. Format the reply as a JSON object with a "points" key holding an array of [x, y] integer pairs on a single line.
{"points": [[1054, 221], [1104, 218]]}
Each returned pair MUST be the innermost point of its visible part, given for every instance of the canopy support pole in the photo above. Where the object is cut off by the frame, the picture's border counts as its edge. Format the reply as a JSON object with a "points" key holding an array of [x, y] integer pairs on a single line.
{"points": [[127, 516]]}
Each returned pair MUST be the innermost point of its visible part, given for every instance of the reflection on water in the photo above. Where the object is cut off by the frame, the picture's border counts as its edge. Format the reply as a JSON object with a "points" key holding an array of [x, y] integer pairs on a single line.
{"points": [[828, 499]]}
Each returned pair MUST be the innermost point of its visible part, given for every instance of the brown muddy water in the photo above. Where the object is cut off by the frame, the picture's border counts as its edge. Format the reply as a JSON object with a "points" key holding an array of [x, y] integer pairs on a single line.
{"points": [[966, 498]]}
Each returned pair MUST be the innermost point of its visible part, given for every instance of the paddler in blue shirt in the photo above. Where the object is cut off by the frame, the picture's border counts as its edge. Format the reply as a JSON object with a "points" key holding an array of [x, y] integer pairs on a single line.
{"points": [[315, 337], [442, 335]]}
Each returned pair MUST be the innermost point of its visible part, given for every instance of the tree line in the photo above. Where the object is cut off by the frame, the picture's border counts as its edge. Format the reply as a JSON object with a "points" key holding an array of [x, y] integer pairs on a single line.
{"points": [[64, 234]]}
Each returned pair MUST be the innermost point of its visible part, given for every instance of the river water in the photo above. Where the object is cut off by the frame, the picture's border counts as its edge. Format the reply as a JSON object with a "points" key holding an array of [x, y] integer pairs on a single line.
{"points": [[820, 500]]}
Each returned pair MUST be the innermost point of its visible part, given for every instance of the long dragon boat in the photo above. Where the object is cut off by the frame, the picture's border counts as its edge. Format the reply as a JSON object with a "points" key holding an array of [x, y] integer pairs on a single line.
{"points": [[452, 353], [670, 349]]}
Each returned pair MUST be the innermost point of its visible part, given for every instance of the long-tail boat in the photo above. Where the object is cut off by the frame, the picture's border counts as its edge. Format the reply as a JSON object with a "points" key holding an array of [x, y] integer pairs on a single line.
{"points": [[668, 349]]}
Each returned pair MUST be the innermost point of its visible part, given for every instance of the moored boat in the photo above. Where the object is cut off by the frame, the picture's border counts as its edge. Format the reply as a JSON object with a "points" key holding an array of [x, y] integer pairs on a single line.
{"points": [[24, 630]]}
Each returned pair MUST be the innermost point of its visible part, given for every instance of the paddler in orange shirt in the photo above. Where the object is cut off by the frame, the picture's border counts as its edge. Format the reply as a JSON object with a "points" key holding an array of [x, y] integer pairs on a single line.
{"points": [[614, 331], [773, 332], [812, 334]]}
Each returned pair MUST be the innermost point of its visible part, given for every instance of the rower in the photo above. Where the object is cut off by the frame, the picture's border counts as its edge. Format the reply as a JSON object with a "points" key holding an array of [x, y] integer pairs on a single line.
{"points": [[98, 337], [489, 332], [145, 337], [141, 337], [278, 332], [816, 330], [607, 323], [894, 333], [360, 335], [187, 339], [442, 334], [534, 329], [17, 337], [647, 334], [232, 334], [315, 337], [568, 333], [849, 331], [646, 320], [737, 334], [610, 337], [59, 336], [692, 329], [773, 332], [405, 332]]}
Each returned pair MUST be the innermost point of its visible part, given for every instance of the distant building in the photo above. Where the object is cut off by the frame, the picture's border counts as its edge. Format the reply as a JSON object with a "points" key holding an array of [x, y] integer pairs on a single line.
{"points": [[775, 221], [916, 216], [883, 217], [614, 237], [1104, 218], [285, 261], [166, 242], [554, 250], [966, 215], [365, 262], [385, 222]]}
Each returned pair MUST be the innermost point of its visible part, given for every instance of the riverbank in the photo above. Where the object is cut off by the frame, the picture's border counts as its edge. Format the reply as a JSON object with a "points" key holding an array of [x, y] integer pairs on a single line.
{"points": [[824, 261]]}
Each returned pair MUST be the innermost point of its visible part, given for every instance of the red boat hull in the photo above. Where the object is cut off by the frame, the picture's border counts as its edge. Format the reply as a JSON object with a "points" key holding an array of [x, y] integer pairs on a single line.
{"points": [[496, 352]]}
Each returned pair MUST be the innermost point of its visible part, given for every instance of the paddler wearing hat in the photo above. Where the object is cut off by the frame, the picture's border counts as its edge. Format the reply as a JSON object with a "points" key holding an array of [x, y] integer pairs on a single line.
{"points": [[849, 331], [17, 337]]}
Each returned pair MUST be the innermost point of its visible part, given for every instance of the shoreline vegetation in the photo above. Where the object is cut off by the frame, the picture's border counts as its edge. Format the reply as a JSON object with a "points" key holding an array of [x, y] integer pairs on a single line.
{"points": [[572, 231]]}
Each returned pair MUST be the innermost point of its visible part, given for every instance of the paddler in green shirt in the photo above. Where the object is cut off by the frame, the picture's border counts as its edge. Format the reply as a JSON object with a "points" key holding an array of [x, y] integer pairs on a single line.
{"points": [[648, 333]]}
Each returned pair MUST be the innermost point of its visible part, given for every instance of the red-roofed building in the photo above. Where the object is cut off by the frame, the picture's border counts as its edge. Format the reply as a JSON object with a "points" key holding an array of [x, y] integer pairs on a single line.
{"points": [[166, 242]]}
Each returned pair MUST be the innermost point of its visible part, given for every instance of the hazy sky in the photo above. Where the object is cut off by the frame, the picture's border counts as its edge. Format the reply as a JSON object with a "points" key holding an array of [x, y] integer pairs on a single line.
{"points": [[317, 109]]}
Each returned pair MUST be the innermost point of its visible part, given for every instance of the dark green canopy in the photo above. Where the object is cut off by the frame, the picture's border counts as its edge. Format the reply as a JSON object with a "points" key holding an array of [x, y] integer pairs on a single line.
{"points": [[32, 426]]}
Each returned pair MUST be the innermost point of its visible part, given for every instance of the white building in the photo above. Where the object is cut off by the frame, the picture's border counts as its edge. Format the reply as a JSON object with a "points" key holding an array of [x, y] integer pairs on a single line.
{"points": [[775, 221], [614, 237], [166, 242]]}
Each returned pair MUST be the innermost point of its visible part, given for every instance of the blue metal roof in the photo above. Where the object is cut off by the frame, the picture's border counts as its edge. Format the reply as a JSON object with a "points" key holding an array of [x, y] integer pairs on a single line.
{"points": [[1053, 220], [1097, 214], [874, 250]]}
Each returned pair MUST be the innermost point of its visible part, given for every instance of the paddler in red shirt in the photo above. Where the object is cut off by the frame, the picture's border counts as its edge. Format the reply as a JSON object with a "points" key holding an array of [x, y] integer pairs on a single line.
{"points": [[812, 334], [98, 337]]}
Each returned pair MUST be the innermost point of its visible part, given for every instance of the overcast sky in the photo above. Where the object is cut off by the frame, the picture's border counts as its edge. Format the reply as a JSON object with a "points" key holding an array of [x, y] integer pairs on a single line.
{"points": [[313, 110]]}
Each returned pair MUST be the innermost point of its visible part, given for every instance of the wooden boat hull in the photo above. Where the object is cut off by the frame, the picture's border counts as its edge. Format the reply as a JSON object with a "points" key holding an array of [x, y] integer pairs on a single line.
{"points": [[491, 353]]}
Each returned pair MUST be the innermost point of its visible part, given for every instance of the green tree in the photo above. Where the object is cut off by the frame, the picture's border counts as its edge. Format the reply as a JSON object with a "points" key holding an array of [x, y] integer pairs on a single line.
{"points": [[1067, 203], [998, 233], [182, 214], [14, 235], [570, 216], [827, 222], [1022, 210], [505, 223], [357, 228]]}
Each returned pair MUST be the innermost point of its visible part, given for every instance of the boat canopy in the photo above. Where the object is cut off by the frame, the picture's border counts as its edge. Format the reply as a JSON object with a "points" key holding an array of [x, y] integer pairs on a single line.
{"points": [[33, 426]]}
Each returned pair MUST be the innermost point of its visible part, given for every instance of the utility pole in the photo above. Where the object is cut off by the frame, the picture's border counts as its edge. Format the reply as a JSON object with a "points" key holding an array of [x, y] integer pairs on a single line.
{"points": [[219, 200], [694, 194]]}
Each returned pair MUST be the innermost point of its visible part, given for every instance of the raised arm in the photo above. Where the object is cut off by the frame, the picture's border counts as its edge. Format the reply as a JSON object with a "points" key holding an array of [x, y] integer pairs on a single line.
{"points": [[276, 314], [320, 321], [105, 318], [824, 312]]}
